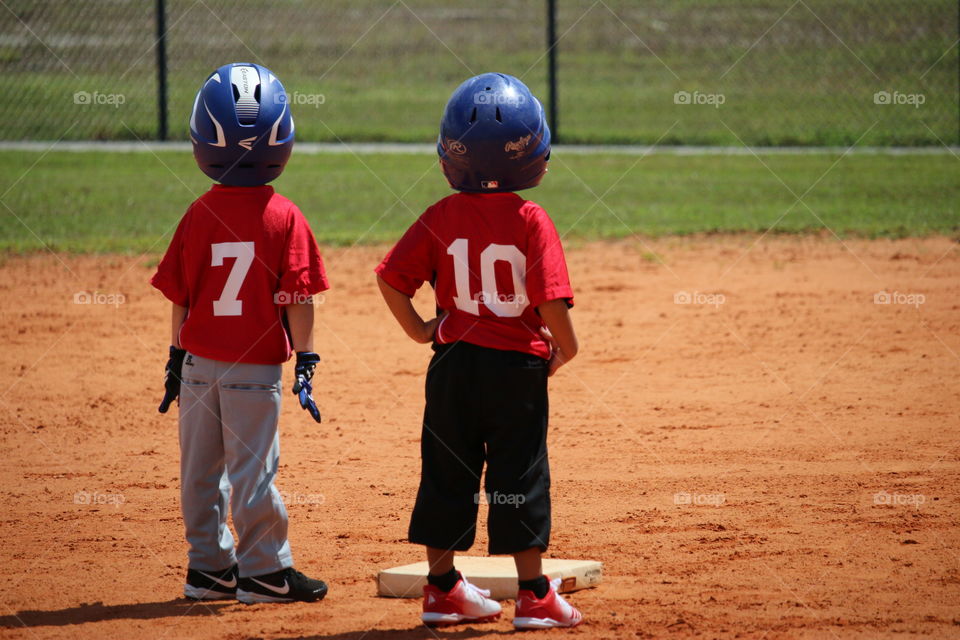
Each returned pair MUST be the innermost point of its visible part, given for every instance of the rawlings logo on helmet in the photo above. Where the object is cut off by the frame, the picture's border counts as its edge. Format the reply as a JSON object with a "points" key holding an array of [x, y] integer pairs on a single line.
{"points": [[518, 145], [457, 147]]}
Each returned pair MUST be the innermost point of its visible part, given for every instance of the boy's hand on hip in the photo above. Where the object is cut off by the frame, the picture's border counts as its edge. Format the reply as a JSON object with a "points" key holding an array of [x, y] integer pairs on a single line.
{"points": [[558, 333], [302, 387], [557, 358], [428, 330]]}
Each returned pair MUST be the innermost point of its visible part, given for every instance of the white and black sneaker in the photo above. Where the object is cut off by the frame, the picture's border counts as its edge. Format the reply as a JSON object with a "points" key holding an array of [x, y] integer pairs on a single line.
{"points": [[287, 585], [211, 585]]}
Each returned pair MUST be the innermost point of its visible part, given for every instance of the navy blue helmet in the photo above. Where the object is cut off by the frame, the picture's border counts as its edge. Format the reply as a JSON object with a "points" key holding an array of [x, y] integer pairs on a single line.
{"points": [[241, 126], [493, 136]]}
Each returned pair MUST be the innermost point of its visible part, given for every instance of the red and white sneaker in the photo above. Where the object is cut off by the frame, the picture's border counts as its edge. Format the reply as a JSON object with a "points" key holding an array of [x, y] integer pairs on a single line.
{"points": [[547, 612], [464, 603]]}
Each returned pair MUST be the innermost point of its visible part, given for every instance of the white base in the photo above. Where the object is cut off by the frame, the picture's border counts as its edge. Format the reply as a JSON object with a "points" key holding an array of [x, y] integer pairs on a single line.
{"points": [[498, 574]]}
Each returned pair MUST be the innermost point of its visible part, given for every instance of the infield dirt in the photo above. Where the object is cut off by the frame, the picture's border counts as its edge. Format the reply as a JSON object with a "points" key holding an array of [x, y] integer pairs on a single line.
{"points": [[759, 440]]}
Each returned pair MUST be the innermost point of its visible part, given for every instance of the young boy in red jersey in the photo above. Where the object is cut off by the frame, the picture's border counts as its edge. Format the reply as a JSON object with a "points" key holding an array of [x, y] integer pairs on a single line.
{"points": [[497, 267], [240, 272]]}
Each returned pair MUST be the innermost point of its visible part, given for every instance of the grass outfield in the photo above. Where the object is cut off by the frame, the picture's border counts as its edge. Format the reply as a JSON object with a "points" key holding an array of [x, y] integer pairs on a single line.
{"points": [[100, 202]]}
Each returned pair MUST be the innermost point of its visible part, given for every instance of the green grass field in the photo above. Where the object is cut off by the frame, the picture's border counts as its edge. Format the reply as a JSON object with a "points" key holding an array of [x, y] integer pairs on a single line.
{"points": [[789, 73], [100, 202]]}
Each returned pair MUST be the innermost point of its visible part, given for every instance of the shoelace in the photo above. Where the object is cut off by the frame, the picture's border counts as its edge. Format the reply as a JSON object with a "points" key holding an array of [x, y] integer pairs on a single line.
{"points": [[555, 585], [472, 587]]}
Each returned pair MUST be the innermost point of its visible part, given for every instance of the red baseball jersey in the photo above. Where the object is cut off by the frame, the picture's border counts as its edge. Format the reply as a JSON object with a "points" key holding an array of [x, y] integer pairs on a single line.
{"points": [[239, 255], [492, 259]]}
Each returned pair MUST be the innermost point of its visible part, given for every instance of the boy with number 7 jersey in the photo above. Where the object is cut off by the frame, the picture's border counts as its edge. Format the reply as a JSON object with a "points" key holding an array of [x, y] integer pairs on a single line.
{"points": [[240, 272]]}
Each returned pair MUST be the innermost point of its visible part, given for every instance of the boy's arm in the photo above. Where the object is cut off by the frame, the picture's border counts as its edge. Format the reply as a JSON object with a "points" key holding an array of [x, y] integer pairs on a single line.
{"points": [[560, 333], [177, 315], [300, 319], [401, 306]]}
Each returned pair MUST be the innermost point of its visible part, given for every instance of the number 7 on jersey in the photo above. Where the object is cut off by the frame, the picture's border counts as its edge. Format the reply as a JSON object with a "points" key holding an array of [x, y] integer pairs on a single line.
{"points": [[229, 303]]}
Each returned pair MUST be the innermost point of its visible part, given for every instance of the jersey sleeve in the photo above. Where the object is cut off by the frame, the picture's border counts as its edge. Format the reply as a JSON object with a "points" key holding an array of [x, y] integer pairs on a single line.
{"points": [[547, 277], [412, 260], [170, 276], [302, 272]]}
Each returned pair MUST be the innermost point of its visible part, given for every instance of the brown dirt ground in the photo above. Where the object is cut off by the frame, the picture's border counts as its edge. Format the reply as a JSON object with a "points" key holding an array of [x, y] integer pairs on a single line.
{"points": [[791, 405]]}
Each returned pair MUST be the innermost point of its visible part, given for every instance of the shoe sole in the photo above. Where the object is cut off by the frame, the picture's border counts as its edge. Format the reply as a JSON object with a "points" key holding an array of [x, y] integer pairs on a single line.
{"points": [[448, 619], [253, 597], [202, 593], [542, 623]]}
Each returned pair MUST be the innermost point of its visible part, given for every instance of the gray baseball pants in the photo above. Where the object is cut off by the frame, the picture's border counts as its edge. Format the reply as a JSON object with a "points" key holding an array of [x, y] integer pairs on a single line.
{"points": [[229, 454]]}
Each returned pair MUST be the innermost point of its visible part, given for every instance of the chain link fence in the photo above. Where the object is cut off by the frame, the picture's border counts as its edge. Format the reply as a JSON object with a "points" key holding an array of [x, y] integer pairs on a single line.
{"points": [[759, 72]]}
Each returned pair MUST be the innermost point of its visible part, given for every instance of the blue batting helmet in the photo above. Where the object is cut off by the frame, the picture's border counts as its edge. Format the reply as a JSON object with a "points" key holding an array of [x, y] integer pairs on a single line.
{"points": [[241, 126], [493, 136]]}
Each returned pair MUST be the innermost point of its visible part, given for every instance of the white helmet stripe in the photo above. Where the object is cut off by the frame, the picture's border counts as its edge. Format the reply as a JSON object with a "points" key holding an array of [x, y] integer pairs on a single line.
{"points": [[276, 126], [193, 114], [221, 139]]}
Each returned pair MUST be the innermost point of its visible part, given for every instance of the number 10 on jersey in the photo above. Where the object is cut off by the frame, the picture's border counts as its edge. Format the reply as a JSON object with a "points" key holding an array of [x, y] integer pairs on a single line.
{"points": [[502, 305]]}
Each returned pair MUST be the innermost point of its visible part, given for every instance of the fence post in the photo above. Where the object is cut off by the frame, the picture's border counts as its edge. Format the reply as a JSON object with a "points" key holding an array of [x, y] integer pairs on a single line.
{"points": [[552, 68], [161, 70]]}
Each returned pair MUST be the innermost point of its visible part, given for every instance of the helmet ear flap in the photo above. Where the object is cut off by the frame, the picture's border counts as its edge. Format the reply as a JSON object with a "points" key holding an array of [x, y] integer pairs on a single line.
{"points": [[448, 173]]}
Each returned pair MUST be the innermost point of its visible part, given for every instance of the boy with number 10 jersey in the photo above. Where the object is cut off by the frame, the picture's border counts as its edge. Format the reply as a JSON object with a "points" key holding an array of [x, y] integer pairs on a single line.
{"points": [[496, 264]]}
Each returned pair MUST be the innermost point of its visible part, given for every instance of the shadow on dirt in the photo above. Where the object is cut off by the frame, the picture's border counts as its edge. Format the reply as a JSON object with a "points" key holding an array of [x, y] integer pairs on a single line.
{"points": [[420, 632], [98, 612]]}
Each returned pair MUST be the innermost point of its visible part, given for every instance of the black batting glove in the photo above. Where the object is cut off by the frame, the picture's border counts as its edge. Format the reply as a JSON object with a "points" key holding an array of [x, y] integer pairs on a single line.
{"points": [[172, 381], [302, 388]]}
